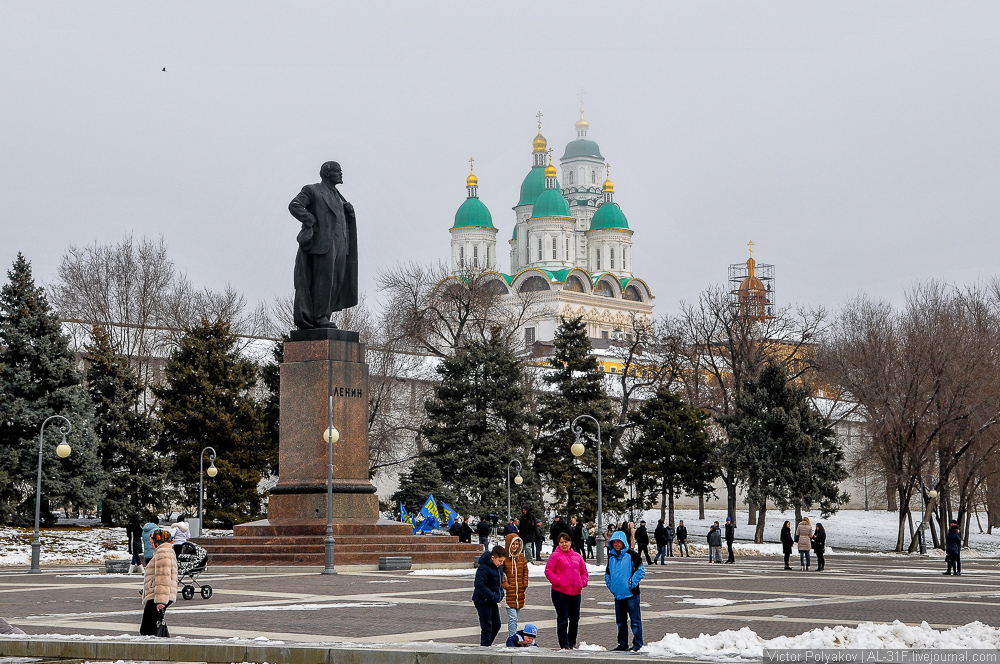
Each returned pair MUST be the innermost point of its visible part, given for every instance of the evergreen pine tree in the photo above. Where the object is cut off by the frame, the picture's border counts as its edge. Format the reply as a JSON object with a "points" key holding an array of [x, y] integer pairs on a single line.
{"points": [[783, 449], [38, 379], [270, 377], [208, 400], [421, 480], [478, 421], [126, 436], [674, 453], [577, 389]]}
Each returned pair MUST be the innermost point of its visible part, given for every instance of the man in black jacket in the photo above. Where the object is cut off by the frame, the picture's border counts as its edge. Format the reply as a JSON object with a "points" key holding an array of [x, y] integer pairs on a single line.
{"points": [[483, 530], [539, 538], [558, 526], [730, 536], [456, 528], [466, 536], [642, 541], [660, 537], [682, 539], [576, 530]]}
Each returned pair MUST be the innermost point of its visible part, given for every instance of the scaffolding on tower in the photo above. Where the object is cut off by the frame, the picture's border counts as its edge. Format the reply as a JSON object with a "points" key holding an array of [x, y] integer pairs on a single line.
{"points": [[751, 290]]}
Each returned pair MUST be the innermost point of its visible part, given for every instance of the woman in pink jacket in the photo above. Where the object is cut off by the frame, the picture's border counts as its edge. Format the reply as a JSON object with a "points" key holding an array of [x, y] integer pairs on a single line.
{"points": [[567, 572]]}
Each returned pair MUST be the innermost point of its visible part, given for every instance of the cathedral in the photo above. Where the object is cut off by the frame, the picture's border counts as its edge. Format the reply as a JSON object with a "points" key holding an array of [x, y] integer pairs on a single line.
{"points": [[571, 245]]}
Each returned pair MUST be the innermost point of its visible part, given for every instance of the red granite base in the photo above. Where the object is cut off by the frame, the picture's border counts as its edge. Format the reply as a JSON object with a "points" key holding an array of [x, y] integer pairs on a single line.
{"points": [[290, 543]]}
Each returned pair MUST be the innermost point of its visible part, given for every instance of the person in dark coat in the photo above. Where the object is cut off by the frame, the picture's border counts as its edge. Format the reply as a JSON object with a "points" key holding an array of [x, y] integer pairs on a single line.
{"points": [[819, 546], [526, 530], [642, 541], [576, 530], [466, 536], [730, 536], [483, 530], [539, 538], [559, 526], [133, 532], [682, 539], [787, 542], [488, 593], [954, 551], [670, 540], [660, 537], [456, 529]]}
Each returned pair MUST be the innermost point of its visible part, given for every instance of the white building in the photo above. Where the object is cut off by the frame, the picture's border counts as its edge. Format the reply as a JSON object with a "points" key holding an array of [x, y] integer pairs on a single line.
{"points": [[571, 245]]}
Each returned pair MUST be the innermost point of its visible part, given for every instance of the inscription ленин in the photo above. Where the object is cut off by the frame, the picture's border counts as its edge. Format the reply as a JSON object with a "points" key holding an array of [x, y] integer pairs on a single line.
{"points": [[349, 392]]}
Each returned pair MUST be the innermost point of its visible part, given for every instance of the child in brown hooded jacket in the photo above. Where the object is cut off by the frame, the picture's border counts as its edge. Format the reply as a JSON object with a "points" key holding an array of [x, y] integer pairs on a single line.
{"points": [[515, 580]]}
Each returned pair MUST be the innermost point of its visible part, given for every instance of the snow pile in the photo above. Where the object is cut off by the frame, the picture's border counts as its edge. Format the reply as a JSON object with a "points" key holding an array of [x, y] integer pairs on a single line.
{"points": [[75, 545], [708, 601], [744, 643]]}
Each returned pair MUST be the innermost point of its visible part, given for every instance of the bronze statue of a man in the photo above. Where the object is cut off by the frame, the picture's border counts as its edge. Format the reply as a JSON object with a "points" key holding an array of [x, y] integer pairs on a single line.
{"points": [[326, 265]]}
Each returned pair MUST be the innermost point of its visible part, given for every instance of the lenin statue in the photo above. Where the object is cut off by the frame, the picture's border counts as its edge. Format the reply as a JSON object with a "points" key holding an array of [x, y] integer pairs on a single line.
{"points": [[326, 265]]}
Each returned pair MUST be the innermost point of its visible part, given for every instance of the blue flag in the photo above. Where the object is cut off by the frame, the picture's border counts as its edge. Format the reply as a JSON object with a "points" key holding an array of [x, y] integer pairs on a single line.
{"points": [[405, 516], [449, 514], [426, 526], [430, 508]]}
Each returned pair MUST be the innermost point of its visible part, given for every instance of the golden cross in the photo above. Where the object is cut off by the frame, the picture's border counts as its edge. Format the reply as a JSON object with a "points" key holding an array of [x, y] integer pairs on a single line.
{"points": [[470, 164], [550, 155], [539, 116], [750, 244], [607, 169], [581, 93]]}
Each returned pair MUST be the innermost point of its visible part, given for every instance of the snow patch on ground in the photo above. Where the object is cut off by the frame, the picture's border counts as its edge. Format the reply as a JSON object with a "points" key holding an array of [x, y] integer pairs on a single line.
{"points": [[708, 601], [746, 644], [583, 645], [873, 531]]}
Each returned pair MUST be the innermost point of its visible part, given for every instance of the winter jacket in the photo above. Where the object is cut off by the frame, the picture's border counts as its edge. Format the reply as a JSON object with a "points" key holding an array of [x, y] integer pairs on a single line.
{"points": [[147, 546], [160, 582], [624, 570], [483, 528], [466, 535], [682, 533], [670, 534], [539, 534], [730, 531], [954, 546], [559, 526], [641, 536], [660, 535], [515, 641], [515, 572], [567, 572], [804, 534], [577, 533], [786, 539], [180, 532], [133, 531], [455, 530], [819, 541], [528, 532], [488, 581], [715, 537]]}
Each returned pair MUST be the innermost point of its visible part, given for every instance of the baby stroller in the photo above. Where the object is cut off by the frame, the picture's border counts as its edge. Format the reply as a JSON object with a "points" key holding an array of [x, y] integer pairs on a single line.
{"points": [[191, 562]]}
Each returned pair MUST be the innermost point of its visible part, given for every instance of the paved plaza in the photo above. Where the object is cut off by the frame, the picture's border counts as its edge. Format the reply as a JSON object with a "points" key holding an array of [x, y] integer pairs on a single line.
{"points": [[688, 596]]}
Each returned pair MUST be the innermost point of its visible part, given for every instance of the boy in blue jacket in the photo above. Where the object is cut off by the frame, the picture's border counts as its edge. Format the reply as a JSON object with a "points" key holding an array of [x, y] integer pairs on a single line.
{"points": [[488, 593], [524, 638], [622, 577]]}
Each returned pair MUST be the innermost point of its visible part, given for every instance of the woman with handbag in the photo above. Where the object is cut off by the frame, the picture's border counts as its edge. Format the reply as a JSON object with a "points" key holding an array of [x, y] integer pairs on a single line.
{"points": [[159, 587]]}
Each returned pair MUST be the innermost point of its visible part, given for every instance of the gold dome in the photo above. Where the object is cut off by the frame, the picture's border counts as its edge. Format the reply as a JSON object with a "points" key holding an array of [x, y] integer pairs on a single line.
{"points": [[608, 184], [539, 144], [581, 123], [550, 170], [472, 180]]}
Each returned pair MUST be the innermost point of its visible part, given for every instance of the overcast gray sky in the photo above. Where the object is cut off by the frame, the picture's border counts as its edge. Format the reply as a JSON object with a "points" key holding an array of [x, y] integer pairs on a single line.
{"points": [[855, 143]]}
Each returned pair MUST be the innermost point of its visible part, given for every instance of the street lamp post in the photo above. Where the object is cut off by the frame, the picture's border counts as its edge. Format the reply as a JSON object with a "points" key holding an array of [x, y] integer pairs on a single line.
{"points": [[577, 450], [331, 436], [517, 480], [63, 450], [212, 472]]}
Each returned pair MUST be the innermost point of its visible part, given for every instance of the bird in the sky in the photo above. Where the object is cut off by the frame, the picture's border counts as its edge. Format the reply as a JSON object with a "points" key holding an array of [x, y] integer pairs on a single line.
{"points": [[164, 69]]}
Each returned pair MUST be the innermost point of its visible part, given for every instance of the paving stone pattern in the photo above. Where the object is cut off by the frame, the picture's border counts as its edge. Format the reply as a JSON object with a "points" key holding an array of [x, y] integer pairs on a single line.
{"points": [[363, 607]]}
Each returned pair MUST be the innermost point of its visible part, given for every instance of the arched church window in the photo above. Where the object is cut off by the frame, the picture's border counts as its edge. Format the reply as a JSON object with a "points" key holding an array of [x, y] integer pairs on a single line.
{"points": [[539, 248], [597, 255], [593, 177], [475, 257], [554, 247], [632, 293], [612, 258], [461, 256], [569, 178], [567, 248], [624, 254], [604, 289]]}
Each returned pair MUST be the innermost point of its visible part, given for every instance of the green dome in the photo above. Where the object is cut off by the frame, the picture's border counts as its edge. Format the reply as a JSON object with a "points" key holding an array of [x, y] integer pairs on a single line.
{"points": [[550, 204], [473, 213], [582, 147], [609, 215], [533, 185]]}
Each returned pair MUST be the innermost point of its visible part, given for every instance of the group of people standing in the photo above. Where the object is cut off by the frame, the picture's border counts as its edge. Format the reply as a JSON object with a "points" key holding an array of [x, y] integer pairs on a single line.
{"points": [[807, 541], [503, 576]]}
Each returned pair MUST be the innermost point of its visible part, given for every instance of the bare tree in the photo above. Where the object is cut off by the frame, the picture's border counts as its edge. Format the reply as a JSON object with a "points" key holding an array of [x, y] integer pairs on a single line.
{"points": [[436, 312], [724, 348]]}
